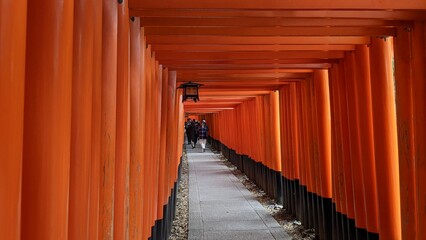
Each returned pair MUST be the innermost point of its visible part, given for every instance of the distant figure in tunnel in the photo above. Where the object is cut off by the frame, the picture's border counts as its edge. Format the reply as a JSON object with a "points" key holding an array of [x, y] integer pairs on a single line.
{"points": [[203, 131], [187, 126], [197, 127], [192, 133]]}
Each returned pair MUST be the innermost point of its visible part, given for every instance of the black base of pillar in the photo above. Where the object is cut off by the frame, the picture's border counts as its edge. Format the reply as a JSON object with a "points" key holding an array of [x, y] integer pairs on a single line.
{"points": [[352, 229], [311, 209], [327, 211], [162, 228], [372, 236], [361, 234]]}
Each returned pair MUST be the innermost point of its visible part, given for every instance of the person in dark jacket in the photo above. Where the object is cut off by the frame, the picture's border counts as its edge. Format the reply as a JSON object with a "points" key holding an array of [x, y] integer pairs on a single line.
{"points": [[193, 134], [197, 127], [188, 136]]}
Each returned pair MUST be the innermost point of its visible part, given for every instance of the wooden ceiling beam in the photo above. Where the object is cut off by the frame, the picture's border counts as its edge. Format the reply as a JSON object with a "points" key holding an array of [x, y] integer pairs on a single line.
{"points": [[260, 86], [215, 72], [272, 31], [244, 76], [411, 14], [243, 67], [239, 40], [224, 48], [249, 55], [244, 80], [232, 92], [264, 22], [271, 4], [203, 109], [247, 62]]}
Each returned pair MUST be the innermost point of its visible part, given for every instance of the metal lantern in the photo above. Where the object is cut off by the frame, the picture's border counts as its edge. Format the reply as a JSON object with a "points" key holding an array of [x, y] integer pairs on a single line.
{"points": [[190, 91]]}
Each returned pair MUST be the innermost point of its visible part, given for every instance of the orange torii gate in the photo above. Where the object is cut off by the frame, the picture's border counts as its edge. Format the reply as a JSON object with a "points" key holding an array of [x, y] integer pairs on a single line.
{"points": [[319, 102]]}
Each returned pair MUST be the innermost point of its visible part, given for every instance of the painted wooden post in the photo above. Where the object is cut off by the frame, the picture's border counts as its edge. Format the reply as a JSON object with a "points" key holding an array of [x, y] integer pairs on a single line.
{"points": [[337, 157], [122, 160], [148, 141], [162, 191], [292, 151], [108, 119], [95, 175], [13, 22], [136, 160], [276, 143], [355, 144], [385, 139], [302, 156], [81, 121], [283, 140], [294, 129], [403, 50], [266, 120], [346, 164], [172, 128], [143, 121], [47, 123], [322, 96], [315, 171], [157, 93], [419, 99], [363, 86], [308, 152]]}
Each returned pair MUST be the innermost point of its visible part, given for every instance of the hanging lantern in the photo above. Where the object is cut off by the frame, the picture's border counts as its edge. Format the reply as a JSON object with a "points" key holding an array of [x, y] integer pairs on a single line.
{"points": [[190, 91]]}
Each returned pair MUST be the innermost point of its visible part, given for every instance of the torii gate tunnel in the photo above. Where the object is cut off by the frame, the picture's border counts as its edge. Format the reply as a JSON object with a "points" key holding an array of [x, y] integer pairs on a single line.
{"points": [[321, 103]]}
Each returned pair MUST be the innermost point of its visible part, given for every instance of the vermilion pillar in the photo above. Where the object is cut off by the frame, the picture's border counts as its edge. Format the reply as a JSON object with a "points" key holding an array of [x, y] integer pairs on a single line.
{"points": [[283, 132], [96, 121], [405, 120], [293, 117], [323, 115], [47, 123], [347, 189], [324, 130], [172, 130], [81, 122], [108, 119], [307, 126], [148, 181], [122, 161], [162, 192], [385, 139], [266, 121], [337, 159], [13, 16], [354, 141], [95, 175], [136, 163], [142, 116], [365, 112], [307, 135], [275, 130], [419, 99], [156, 127]]}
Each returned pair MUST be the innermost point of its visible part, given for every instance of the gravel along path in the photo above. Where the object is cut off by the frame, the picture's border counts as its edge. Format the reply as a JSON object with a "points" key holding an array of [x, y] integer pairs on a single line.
{"points": [[180, 224], [290, 224]]}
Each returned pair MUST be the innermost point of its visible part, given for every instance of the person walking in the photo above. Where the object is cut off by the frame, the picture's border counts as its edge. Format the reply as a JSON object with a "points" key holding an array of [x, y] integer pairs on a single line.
{"points": [[193, 133], [203, 133], [187, 130], [197, 127]]}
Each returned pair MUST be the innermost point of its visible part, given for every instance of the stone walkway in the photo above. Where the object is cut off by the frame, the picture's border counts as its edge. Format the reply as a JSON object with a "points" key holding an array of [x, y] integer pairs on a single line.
{"points": [[220, 207]]}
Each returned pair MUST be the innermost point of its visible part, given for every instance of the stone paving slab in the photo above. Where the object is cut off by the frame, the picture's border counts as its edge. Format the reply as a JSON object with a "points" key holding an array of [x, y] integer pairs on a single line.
{"points": [[240, 235], [220, 207]]}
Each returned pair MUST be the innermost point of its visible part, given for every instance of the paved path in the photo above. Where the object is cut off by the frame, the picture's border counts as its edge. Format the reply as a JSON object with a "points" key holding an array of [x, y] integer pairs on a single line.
{"points": [[220, 207]]}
